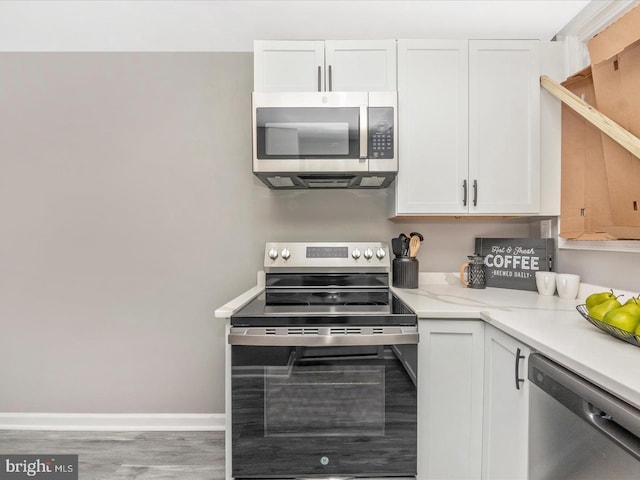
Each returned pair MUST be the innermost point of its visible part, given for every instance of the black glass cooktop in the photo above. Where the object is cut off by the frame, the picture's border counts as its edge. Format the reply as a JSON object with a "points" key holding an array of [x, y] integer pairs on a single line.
{"points": [[325, 300]]}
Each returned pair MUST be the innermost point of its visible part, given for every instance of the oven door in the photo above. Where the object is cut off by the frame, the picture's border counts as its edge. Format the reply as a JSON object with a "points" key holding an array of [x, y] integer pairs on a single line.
{"points": [[323, 404]]}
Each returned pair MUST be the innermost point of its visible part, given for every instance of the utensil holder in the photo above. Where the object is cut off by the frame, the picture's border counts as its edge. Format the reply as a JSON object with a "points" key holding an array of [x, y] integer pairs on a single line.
{"points": [[405, 272]]}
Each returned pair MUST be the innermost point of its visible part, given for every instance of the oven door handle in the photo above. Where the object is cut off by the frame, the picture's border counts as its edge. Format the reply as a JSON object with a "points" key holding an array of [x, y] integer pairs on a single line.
{"points": [[322, 337]]}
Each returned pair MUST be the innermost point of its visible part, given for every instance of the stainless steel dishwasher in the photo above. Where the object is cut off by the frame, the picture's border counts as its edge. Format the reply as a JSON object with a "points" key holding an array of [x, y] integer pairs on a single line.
{"points": [[577, 430]]}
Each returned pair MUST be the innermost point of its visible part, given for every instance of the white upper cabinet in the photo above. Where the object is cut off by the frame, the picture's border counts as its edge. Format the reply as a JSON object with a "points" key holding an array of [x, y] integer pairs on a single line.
{"points": [[469, 127], [360, 65], [288, 66], [433, 126], [332, 65], [504, 126]]}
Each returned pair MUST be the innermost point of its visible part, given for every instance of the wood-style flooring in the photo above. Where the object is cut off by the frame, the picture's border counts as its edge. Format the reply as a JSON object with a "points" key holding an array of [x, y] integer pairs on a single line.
{"points": [[127, 455]]}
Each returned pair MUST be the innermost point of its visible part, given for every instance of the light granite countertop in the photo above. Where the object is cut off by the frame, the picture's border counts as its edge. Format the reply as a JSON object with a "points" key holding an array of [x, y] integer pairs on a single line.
{"points": [[547, 324]]}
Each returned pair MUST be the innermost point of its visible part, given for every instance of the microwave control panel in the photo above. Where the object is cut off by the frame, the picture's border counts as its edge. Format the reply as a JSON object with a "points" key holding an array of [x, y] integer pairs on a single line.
{"points": [[381, 132]]}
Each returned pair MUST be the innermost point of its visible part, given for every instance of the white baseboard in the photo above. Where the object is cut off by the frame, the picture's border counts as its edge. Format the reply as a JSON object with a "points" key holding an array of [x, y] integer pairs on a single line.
{"points": [[113, 422]]}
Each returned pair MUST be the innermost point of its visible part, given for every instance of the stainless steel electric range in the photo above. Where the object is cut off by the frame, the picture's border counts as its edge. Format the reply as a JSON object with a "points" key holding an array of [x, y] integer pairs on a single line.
{"points": [[323, 368]]}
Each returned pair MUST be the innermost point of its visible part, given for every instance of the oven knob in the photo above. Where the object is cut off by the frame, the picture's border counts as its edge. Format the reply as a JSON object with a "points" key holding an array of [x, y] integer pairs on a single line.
{"points": [[285, 254], [380, 253], [368, 254], [355, 254], [273, 254]]}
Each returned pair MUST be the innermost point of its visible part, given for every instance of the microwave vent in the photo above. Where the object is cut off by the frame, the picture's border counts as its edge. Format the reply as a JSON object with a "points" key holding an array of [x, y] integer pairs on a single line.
{"points": [[329, 183]]}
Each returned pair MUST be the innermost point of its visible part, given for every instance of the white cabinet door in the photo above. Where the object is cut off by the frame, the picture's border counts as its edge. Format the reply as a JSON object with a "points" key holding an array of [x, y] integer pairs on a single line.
{"points": [[312, 66], [288, 66], [433, 131], [360, 65], [504, 126], [450, 370], [506, 407], [469, 127]]}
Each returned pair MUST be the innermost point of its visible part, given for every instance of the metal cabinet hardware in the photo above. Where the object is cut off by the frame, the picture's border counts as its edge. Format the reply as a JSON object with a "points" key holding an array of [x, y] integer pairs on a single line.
{"points": [[464, 193], [330, 79], [475, 193], [519, 357]]}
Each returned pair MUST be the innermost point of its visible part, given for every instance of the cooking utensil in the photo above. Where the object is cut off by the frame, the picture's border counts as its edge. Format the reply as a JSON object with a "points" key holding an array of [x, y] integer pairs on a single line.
{"points": [[414, 245], [397, 246], [404, 238]]}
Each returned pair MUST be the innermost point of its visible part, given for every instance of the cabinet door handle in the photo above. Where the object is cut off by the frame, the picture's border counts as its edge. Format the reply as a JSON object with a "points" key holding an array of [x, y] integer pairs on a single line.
{"points": [[519, 357], [464, 193], [475, 193], [319, 78], [330, 80]]}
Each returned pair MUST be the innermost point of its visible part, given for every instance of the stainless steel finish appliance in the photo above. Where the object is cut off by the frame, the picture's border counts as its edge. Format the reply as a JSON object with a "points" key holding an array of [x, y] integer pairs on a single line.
{"points": [[325, 139], [577, 429], [323, 368]]}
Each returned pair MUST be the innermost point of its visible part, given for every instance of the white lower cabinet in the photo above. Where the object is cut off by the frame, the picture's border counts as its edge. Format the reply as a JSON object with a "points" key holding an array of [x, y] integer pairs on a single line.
{"points": [[505, 442], [450, 383]]}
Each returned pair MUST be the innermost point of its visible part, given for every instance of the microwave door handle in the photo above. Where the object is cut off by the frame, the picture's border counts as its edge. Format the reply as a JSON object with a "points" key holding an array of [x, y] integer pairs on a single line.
{"points": [[364, 132]]}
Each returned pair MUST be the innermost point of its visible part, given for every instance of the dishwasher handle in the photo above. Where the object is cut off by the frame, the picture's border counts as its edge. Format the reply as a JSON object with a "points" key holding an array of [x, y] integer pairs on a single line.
{"points": [[605, 424], [611, 416]]}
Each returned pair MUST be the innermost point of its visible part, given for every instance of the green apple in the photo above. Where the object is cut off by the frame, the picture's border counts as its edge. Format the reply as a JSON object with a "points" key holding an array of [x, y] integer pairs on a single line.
{"points": [[625, 318], [600, 310]]}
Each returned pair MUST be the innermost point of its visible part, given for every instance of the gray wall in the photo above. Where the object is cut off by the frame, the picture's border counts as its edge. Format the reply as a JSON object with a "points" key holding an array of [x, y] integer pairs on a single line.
{"points": [[617, 270], [129, 213]]}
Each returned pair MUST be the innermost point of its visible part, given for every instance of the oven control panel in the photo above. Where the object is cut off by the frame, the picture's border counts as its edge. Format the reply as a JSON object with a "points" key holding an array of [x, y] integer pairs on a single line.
{"points": [[328, 255]]}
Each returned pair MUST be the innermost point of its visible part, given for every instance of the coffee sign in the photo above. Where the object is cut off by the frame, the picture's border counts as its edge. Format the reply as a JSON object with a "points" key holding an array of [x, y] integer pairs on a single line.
{"points": [[513, 262]]}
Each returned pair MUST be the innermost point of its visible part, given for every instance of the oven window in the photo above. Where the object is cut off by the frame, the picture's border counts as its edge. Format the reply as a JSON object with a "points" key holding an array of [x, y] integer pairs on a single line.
{"points": [[324, 401], [302, 411]]}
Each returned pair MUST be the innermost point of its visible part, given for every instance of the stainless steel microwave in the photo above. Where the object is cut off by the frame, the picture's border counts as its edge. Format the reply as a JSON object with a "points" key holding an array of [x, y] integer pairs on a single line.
{"points": [[325, 139]]}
